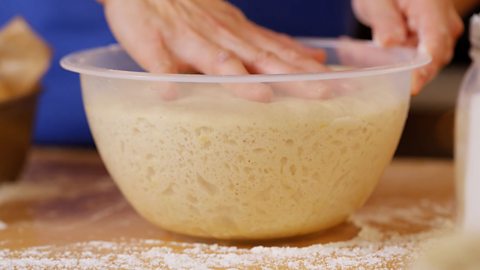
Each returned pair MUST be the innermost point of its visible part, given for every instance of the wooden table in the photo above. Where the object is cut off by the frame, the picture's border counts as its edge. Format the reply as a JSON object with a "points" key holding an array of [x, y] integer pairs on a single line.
{"points": [[66, 212]]}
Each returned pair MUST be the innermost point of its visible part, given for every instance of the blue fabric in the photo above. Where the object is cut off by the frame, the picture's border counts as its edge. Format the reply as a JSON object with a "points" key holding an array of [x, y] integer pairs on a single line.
{"points": [[321, 18], [70, 25]]}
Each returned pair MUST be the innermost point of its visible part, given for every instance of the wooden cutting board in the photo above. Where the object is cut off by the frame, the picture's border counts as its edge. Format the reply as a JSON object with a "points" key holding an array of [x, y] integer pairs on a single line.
{"points": [[66, 213]]}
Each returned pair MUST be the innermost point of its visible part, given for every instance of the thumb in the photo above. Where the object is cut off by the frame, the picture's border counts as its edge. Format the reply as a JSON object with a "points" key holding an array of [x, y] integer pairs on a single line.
{"points": [[385, 19]]}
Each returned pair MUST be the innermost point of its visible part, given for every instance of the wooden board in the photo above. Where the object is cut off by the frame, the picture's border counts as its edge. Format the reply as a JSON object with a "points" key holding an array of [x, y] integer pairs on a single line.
{"points": [[66, 212]]}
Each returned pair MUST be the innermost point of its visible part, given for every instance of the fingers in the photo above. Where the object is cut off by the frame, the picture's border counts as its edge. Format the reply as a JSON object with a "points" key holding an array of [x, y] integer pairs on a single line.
{"points": [[437, 30], [268, 63], [247, 40], [264, 62], [385, 18], [142, 41], [252, 91], [229, 54], [253, 44], [263, 55], [357, 54], [288, 54], [174, 36], [284, 46], [266, 59], [138, 36], [210, 58], [431, 25]]}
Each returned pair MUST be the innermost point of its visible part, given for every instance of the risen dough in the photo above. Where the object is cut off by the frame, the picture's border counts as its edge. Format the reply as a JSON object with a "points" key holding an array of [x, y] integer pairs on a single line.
{"points": [[213, 165]]}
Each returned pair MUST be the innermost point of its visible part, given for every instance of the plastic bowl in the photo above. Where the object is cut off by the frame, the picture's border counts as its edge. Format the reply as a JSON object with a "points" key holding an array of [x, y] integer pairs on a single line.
{"points": [[211, 164]]}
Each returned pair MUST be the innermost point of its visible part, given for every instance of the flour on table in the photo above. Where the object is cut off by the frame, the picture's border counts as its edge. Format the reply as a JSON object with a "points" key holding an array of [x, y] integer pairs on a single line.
{"points": [[372, 248], [3, 225]]}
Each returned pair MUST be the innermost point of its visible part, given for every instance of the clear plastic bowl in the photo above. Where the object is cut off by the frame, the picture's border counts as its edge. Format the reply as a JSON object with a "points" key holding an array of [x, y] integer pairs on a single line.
{"points": [[208, 163]]}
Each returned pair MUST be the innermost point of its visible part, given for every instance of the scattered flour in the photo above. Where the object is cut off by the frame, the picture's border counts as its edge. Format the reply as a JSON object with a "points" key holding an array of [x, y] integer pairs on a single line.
{"points": [[3, 225], [372, 248]]}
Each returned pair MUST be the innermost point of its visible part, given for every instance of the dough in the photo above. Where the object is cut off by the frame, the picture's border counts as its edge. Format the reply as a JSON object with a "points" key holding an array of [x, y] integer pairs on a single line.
{"points": [[213, 165]]}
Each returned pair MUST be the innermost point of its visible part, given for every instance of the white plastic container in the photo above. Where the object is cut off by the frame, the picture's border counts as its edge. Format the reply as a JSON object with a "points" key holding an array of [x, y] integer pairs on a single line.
{"points": [[467, 153], [209, 163]]}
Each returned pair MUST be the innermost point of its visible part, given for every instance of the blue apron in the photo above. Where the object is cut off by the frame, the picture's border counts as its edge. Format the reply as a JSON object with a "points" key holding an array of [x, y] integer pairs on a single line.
{"points": [[71, 25]]}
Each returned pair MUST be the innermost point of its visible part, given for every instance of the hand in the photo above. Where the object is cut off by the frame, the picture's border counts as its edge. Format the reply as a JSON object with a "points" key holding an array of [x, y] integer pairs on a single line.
{"points": [[433, 26], [207, 36]]}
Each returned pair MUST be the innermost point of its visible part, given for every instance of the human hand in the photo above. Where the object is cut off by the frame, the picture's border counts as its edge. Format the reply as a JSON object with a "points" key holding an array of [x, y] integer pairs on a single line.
{"points": [[211, 37], [433, 26]]}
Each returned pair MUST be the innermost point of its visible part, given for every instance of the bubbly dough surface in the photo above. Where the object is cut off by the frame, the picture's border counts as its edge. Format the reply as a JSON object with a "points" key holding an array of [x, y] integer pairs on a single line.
{"points": [[213, 165]]}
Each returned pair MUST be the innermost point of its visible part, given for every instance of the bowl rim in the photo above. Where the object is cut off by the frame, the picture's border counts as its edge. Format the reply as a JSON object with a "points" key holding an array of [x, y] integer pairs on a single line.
{"points": [[78, 62]]}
